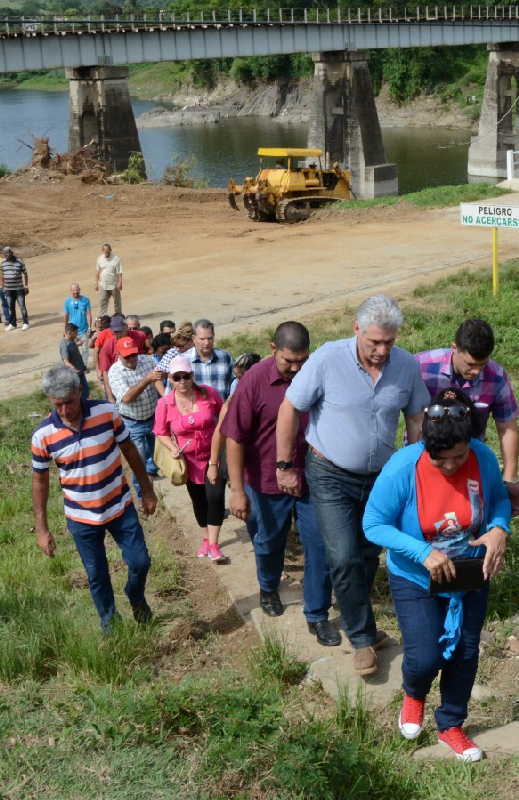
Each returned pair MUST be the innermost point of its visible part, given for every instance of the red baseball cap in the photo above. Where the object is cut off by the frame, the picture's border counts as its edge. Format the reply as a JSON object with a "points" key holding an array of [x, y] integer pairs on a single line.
{"points": [[126, 347]]}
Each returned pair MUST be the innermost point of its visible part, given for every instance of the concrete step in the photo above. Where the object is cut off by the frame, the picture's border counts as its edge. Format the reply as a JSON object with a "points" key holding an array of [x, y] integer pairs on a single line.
{"points": [[332, 666], [494, 741]]}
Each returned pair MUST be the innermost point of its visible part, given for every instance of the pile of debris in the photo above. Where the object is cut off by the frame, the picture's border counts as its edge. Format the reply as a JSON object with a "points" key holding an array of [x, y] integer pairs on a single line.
{"points": [[47, 165]]}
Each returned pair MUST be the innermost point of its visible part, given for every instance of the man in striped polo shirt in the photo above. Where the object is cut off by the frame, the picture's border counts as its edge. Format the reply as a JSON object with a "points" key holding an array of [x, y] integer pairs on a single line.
{"points": [[85, 439], [15, 285]]}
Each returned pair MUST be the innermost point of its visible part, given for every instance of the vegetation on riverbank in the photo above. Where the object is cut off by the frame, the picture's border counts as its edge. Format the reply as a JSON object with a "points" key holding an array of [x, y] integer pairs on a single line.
{"points": [[431, 197], [83, 717]]}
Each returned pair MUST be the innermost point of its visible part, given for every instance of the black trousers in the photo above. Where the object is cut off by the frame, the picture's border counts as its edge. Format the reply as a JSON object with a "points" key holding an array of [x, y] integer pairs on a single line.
{"points": [[16, 296], [208, 502]]}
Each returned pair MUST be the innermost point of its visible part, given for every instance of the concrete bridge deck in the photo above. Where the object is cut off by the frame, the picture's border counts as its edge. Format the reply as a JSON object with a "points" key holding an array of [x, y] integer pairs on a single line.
{"points": [[52, 42]]}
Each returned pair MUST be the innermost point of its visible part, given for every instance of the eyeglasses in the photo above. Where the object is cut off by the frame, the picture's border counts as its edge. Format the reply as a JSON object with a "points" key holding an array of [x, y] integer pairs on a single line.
{"points": [[438, 411], [181, 376]]}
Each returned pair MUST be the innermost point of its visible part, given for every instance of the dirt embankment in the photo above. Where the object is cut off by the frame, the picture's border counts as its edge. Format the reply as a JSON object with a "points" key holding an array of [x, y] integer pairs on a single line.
{"points": [[287, 100]]}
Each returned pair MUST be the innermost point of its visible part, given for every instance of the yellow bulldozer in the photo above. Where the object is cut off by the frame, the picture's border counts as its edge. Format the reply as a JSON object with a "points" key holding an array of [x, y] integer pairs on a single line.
{"points": [[290, 184]]}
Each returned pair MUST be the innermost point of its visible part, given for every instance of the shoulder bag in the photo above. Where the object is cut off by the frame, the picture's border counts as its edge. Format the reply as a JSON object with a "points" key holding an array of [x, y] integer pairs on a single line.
{"points": [[175, 469]]}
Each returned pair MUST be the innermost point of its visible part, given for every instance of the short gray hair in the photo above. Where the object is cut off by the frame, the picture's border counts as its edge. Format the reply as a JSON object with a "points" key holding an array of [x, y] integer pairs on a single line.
{"points": [[381, 311], [60, 381], [203, 323]]}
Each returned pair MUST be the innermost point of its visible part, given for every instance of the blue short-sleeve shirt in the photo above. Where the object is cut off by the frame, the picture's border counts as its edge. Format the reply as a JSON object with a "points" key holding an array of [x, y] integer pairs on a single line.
{"points": [[353, 420], [77, 309]]}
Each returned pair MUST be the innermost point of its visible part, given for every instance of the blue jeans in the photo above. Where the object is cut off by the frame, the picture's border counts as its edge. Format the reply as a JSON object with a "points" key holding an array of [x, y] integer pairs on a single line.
{"points": [[141, 435], [90, 542], [16, 296], [85, 388], [272, 514], [340, 497], [421, 617], [5, 307]]}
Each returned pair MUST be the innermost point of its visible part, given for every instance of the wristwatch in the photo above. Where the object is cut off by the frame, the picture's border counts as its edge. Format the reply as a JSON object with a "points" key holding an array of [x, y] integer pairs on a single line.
{"points": [[283, 465]]}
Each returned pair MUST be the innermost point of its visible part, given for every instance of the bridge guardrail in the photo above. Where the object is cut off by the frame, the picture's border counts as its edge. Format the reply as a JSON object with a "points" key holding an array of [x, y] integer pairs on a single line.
{"points": [[28, 26]]}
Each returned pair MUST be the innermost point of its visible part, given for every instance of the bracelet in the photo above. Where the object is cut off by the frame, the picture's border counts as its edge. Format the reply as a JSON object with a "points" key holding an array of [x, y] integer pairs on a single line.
{"points": [[212, 463]]}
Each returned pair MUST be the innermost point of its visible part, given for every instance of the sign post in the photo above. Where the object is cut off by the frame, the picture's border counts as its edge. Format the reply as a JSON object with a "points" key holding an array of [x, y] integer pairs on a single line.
{"points": [[490, 216]]}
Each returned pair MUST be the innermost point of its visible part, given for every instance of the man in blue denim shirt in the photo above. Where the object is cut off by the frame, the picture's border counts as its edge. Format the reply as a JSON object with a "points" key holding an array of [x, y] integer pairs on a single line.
{"points": [[354, 390]]}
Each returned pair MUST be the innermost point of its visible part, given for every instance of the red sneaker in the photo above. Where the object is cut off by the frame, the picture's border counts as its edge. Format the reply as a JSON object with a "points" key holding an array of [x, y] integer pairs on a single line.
{"points": [[458, 741], [410, 720], [215, 554], [203, 551]]}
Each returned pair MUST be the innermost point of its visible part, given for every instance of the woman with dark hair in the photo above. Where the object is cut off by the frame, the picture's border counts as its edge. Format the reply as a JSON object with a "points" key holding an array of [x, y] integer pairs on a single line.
{"points": [[438, 506], [185, 421]]}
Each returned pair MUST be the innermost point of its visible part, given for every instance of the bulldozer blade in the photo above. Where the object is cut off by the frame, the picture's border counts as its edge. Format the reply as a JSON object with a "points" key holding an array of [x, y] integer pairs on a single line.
{"points": [[232, 201]]}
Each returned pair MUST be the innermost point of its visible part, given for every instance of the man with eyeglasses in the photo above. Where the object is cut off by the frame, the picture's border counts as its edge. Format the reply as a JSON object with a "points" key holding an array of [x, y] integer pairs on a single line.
{"points": [[354, 391], [77, 310], [467, 365], [136, 387]]}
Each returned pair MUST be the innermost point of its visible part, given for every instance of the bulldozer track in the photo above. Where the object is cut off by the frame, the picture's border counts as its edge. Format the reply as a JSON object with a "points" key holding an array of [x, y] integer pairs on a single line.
{"points": [[316, 202]]}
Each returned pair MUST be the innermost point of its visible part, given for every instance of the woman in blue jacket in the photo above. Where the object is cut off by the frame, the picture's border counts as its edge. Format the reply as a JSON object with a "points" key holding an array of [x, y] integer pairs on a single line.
{"points": [[436, 501]]}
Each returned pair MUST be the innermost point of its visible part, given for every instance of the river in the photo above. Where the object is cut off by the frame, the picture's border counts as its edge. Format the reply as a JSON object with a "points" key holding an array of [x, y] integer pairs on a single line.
{"points": [[425, 156]]}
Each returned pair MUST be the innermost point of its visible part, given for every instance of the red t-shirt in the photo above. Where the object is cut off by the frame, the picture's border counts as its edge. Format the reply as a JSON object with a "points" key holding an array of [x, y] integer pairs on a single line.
{"points": [[108, 354], [450, 508], [102, 337]]}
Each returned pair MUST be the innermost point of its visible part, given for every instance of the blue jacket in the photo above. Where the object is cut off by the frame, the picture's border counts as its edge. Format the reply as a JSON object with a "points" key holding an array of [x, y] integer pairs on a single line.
{"points": [[391, 516]]}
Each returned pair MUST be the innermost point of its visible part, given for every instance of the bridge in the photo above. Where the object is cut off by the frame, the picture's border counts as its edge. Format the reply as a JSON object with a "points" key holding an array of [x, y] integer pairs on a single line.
{"points": [[95, 53]]}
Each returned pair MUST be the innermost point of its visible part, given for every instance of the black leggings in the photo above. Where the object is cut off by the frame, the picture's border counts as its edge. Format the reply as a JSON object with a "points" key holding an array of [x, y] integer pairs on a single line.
{"points": [[208, 502]]}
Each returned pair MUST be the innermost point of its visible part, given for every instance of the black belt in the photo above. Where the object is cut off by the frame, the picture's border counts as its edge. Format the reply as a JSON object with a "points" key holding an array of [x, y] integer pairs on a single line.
{"points": [[132, 419]]}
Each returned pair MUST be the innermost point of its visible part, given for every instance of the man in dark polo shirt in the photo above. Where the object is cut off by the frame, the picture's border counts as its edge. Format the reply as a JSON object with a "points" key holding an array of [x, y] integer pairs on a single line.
{"points": [[250, 428]]}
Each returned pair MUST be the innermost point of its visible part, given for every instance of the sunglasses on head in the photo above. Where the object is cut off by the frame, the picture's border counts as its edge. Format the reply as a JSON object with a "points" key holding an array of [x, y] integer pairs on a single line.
{"points": [[181, 376], [438, 411]]}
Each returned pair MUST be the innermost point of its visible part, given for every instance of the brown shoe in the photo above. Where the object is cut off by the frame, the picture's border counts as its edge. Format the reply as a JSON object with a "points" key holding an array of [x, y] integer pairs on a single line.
{"points": [[365, 661]]}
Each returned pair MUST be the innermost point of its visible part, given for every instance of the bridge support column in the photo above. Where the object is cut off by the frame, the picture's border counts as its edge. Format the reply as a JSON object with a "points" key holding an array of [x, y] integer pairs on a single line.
{"points": [[100, 109], [487, 152], [344, 122]]}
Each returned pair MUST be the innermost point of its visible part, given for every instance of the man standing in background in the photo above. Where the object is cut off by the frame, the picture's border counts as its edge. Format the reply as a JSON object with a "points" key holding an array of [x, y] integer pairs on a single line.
{"points": [[109, 280], [15, 285], [78, 311]]}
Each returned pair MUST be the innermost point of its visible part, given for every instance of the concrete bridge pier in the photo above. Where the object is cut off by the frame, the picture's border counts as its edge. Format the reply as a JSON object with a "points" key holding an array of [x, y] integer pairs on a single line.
{"points": [[344, 122], [100, 109], [496, 135]]}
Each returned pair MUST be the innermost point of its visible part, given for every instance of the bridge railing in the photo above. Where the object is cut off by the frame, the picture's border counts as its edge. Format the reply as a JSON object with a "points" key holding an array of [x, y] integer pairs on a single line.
{"points": [[346, 15]]}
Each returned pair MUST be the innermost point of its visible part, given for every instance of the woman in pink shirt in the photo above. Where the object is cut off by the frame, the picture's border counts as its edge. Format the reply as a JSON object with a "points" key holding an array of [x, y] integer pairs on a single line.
{"points": [[185, 421]]}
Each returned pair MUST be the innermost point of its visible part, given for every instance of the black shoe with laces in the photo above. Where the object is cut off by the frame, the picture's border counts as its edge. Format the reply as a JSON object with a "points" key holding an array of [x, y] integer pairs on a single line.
{"points": [[142, 613], [271, 603]]}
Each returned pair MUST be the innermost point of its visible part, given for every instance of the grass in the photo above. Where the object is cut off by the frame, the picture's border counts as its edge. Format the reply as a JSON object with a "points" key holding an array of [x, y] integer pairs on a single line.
{"points": [[84, 717], [432, 197]]}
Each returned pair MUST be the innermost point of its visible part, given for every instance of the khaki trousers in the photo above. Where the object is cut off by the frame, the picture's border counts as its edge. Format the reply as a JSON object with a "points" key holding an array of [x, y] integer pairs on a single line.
{"points": [[104, 297]]}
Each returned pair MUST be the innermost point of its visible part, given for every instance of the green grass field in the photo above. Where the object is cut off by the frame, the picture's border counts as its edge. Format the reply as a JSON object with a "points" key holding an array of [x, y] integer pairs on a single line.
{"points": [[86, 717]]}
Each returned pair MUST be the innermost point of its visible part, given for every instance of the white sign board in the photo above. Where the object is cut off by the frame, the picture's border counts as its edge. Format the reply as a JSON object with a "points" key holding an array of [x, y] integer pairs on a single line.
{"points": [[488, 215]]}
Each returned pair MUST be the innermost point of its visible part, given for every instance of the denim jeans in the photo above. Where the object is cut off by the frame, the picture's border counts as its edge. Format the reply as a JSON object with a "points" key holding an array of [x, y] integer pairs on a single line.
{"points": [[421, 617], [5, 307], [89, 539], [340, 497], [16, 296], [141, 435], [272, 518], [85, 388]]}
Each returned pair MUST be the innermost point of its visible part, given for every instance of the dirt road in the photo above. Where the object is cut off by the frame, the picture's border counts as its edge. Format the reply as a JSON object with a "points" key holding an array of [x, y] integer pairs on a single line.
{"points": [[186, 254]]}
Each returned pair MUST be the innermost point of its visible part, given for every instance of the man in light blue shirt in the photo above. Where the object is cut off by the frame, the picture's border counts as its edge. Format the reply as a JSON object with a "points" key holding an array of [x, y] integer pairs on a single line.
{"points": [[78, 311], [354, 390]]}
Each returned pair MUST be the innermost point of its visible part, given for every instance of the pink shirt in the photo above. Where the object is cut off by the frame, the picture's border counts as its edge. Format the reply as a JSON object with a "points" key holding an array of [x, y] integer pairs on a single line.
{"points": [[193, 431]]}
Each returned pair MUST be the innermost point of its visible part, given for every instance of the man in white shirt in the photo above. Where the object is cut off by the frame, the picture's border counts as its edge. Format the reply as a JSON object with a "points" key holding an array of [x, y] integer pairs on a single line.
{"points": [[109, 280]]}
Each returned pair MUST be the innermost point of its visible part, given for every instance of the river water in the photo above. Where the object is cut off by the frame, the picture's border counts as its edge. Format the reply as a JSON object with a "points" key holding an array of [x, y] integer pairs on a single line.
{"points": [[425, 156]]}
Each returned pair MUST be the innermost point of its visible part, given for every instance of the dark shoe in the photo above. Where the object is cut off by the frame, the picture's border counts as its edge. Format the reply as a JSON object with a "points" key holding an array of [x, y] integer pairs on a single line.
{"points": [[325, 632], [142, 613], [271, 604]]}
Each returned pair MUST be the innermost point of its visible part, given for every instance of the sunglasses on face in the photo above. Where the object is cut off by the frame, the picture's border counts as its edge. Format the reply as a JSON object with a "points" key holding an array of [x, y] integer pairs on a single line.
{"points": [[437, 411], [181, 376]]}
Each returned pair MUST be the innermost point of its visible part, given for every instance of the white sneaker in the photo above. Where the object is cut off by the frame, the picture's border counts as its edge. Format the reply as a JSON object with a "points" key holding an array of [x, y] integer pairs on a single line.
{"points": [[10, 328], [25, 326]]}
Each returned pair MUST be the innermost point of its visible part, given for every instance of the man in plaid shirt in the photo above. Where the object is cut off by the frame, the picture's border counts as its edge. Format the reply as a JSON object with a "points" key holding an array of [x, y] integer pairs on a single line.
{"points": [[211, 366], [467, 365], [136, 386]]}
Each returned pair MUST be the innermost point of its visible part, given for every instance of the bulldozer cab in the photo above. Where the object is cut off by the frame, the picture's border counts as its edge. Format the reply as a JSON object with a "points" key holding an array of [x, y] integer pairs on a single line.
{"points": [[291, 168]]}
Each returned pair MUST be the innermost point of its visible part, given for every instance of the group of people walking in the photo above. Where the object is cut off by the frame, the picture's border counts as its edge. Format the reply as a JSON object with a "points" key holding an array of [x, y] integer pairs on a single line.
{"points": [[310, 437]]}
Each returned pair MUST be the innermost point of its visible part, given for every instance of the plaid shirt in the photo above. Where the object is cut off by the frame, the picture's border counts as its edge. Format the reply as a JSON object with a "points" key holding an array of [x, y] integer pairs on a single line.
{"points": [[216, 373], [121, 379], [491, 387]]}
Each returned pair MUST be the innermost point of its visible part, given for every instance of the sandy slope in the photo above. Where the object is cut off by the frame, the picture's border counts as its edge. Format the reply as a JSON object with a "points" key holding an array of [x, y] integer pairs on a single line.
{"points": [[186, 254]]}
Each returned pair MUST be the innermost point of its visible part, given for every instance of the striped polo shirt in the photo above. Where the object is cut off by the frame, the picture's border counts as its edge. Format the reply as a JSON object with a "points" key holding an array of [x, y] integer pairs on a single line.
{"points": [[88, 461], [13, 272]]}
